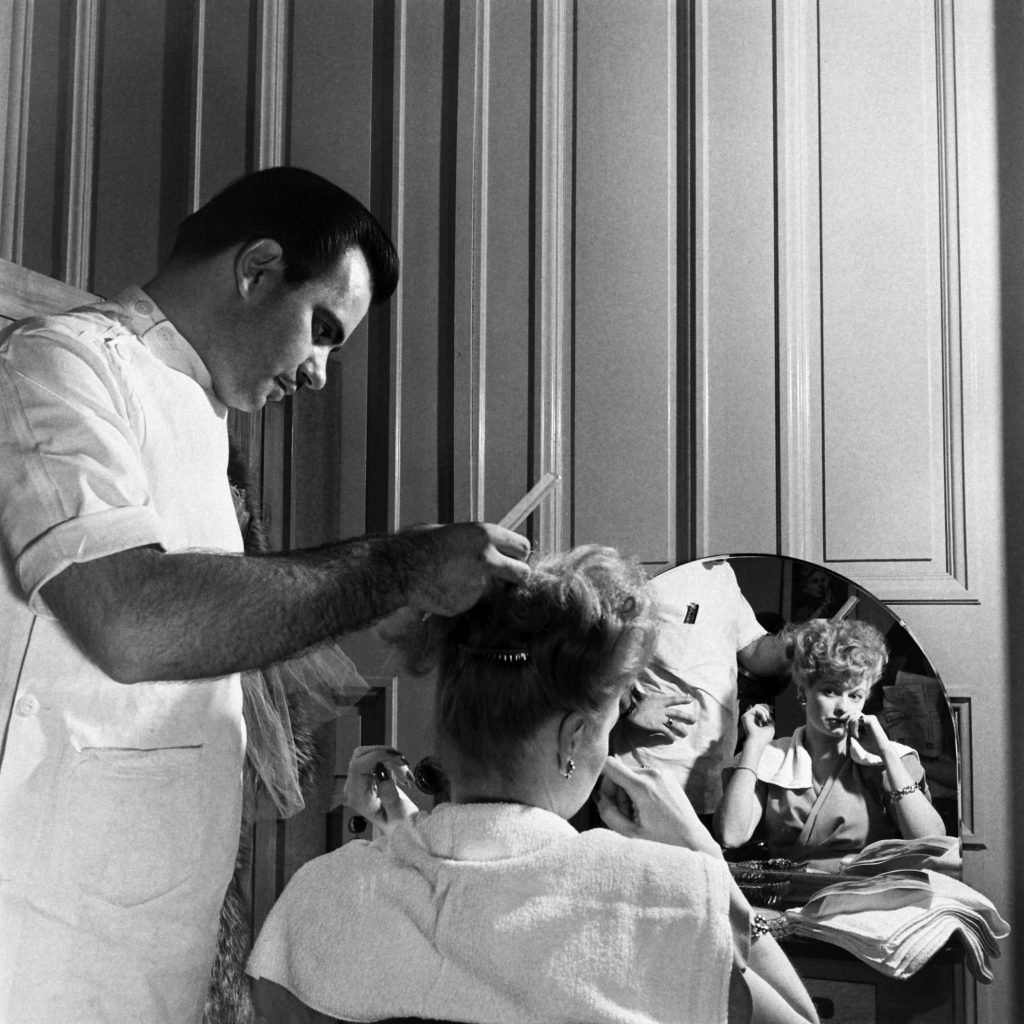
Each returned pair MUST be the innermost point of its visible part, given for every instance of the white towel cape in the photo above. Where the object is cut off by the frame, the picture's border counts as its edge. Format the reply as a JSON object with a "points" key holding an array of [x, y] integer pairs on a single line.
{"points": [[499, 912]]}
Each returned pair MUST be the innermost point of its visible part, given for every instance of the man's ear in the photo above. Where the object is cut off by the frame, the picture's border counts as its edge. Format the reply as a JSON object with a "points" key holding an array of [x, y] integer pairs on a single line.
{"points": [[258, 264]]}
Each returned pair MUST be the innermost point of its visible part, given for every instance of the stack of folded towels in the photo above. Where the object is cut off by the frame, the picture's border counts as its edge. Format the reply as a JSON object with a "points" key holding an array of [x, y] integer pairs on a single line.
{"points": [[896, 920]]}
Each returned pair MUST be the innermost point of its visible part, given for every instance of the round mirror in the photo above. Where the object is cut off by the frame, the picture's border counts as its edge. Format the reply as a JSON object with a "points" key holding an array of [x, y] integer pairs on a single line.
{"points": [[909, 699]]}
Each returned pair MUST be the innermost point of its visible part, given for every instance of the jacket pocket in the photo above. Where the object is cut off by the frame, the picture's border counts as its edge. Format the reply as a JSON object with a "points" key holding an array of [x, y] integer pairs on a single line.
{"points": [[129, 827]]}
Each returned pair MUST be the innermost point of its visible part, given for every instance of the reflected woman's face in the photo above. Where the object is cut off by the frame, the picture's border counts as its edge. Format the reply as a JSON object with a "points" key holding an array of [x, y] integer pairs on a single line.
{"points": [[816, 584], [831, 706]]}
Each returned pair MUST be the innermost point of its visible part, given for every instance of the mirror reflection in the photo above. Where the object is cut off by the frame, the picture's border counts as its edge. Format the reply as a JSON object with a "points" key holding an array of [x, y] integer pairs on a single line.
{"points": [[866, 719]]}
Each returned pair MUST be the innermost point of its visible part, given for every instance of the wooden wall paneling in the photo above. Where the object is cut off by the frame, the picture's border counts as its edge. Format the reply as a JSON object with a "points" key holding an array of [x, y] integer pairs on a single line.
{"points": [[222, 138], [423, 328], [735, 430], [46, 131], [507, 303], [15, 57], [552, 308], [269, 68], [891, 354], [128, 190], [335, 73], [624, 452], [76, 233], [466, 168], [226, 121]]}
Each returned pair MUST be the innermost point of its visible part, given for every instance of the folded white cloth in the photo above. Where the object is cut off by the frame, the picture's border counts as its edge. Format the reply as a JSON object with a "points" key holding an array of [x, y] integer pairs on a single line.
{"points": [[897, 921], [933, 853]]}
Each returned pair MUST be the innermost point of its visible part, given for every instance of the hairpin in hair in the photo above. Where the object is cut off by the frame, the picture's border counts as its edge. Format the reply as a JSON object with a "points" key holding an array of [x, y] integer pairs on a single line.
{"points": [[508, 655]]}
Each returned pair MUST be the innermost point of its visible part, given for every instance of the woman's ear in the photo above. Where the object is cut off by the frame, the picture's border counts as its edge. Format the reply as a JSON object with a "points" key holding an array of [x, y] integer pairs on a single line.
{"points": [[572, 734], [259, 264]]}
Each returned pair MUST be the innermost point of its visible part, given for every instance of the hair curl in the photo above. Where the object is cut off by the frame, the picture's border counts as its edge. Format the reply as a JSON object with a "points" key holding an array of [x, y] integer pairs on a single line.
{"points": [[584, 619], [845, 652], [313, 220]]}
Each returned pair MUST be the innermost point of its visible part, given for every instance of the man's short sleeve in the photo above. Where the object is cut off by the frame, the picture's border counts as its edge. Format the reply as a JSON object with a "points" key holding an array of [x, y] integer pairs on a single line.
{"points": [[748, 629], [74, 482]]}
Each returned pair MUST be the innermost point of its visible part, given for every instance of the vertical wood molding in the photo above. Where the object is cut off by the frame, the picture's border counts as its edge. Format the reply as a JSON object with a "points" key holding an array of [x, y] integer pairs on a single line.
{"points": [[397, 305], [799, 280], [553, 260], [949, 255], [16, 56], [471, 200], [80, 184], [195, 161], [701, 388], [271, 81], [271, 74]]}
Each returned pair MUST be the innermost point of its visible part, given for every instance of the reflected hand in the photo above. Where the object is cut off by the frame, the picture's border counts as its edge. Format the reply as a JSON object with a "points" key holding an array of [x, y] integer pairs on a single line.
{"points": [[445, 570], [668, 716], [867, 734], [648, 803], [374, 787], [759, 724]]}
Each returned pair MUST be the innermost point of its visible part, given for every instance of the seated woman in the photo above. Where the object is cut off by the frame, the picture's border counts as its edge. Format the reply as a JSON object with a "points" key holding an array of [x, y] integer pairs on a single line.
{"points": [[838, 783], [493, 907]]}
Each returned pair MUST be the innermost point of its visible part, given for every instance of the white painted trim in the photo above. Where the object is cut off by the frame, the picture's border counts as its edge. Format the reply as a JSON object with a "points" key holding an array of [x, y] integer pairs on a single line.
{"points": [[554, 314], [672, 283], [702, 280], [799, 280]]}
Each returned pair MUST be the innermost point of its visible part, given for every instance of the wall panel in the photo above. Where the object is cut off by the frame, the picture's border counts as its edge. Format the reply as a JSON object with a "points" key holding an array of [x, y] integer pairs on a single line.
{"points": [[735, 364], [425, 216], [882, 317], [509, 468], [332, 56], [624, 451], [880, 433]]}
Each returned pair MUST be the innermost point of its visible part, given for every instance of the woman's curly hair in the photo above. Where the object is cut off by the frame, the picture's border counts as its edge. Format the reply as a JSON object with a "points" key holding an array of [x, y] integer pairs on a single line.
{"points": [[844, 652], [571, 635]]}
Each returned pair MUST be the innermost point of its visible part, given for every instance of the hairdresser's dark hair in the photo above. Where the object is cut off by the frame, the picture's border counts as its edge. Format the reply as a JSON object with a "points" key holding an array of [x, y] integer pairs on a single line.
{"points": [[584, 621], [843, 652], [313, 220]]}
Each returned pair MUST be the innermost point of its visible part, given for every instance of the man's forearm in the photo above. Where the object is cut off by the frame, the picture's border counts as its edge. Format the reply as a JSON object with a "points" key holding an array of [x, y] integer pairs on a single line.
{"points": [[144, 614]]}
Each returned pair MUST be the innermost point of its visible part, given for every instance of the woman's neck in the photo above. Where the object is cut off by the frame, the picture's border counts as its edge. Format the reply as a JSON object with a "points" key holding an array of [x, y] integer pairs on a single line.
{"points": [[822, 747]]}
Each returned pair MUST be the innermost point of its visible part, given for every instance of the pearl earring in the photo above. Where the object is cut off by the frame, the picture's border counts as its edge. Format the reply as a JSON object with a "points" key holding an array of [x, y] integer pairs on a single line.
{"points": [[570, 767]]}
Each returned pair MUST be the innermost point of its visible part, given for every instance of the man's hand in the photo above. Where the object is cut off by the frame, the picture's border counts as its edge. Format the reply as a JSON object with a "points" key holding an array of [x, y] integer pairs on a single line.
{"points": [[447, 569], [664, 717], [648, 803]]}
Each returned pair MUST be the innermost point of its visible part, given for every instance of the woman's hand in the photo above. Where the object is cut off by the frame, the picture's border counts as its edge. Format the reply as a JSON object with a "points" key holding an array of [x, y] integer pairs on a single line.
{"points": [[758, 725], [648, 803], [867, 732], [377, 776]]}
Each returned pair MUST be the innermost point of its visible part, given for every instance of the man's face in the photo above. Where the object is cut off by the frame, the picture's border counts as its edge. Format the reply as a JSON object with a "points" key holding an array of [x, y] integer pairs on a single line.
{"points": [[282, 339]]}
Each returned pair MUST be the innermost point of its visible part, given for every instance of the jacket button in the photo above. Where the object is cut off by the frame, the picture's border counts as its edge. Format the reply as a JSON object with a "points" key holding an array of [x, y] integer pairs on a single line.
{"points": [[27, 706]]}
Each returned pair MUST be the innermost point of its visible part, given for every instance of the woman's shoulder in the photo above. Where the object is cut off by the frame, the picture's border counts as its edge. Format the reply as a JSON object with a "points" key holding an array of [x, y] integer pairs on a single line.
{"points": [[642, 864], [786, 762]]}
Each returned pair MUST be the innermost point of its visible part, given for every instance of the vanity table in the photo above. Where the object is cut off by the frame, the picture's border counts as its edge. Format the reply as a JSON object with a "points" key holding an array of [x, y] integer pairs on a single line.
{"points": [[912, 703]]}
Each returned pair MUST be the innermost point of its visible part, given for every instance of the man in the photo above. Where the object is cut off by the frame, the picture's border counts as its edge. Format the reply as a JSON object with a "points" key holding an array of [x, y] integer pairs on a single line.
{"points": [[706, 629], [119, 796]]}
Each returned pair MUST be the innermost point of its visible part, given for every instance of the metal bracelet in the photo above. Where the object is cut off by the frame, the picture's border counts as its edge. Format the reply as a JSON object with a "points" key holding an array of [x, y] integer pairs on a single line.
{"points": [[777, 927], [898, 794]]}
